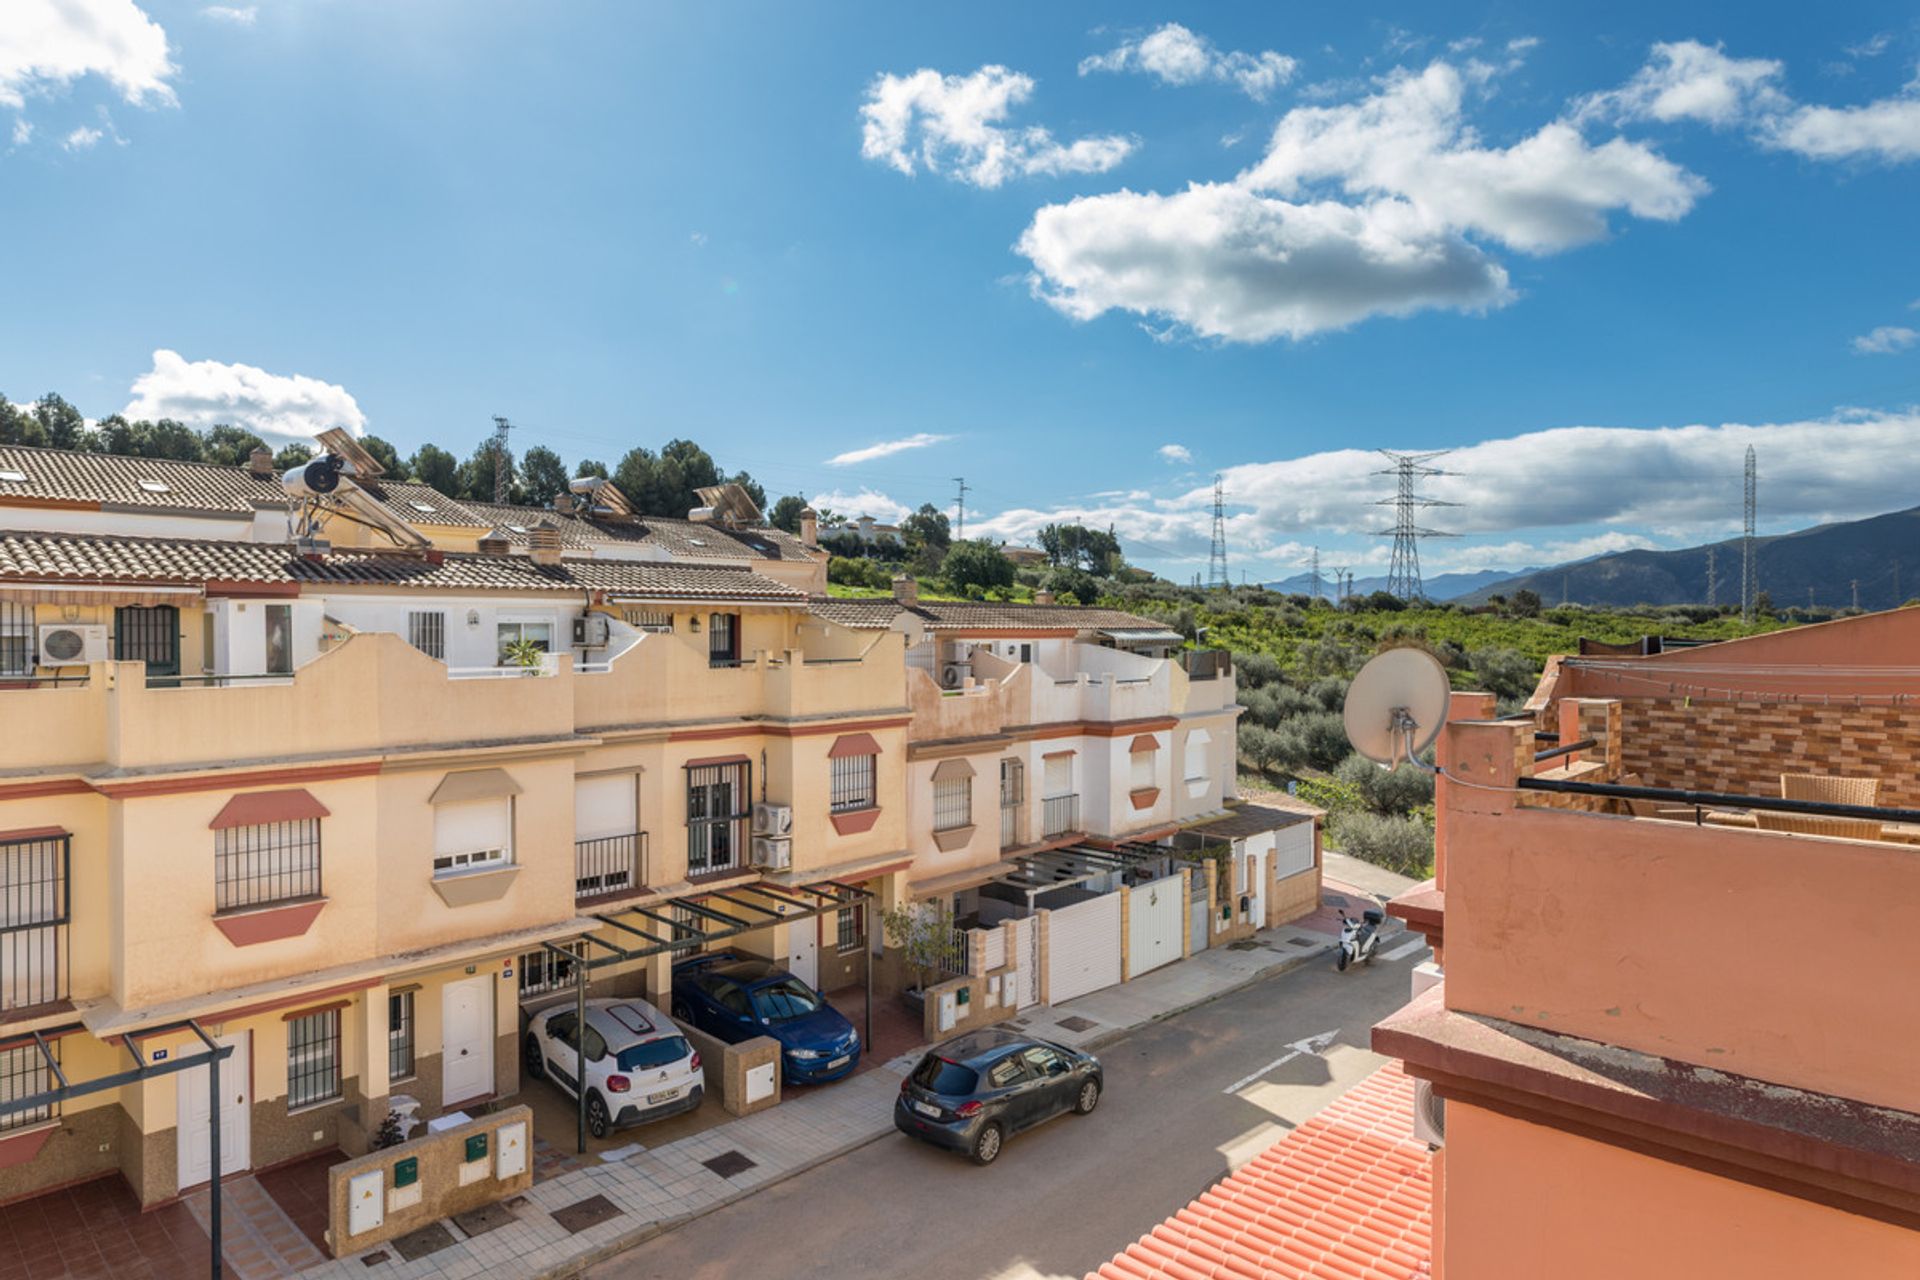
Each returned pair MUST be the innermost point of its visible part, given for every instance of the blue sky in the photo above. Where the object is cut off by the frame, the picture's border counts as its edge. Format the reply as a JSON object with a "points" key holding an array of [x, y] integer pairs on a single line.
{"points": [[1086, 260]]}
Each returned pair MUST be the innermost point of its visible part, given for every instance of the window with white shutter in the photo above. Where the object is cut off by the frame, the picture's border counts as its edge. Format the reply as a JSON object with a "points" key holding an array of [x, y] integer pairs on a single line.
{"points": [[472, 833]]}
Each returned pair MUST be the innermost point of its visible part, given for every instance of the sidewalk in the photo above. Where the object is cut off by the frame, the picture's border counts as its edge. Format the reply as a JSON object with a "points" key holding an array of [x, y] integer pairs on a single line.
{"points": [[570, 1221]]}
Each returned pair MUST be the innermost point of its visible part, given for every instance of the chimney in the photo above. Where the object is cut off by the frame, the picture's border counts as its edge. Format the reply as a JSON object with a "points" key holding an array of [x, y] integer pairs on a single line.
{"points": [[260, 461], [906, 590], [544, 543], [495, 542], [809, 527], [1043, 597], [563, 503]]}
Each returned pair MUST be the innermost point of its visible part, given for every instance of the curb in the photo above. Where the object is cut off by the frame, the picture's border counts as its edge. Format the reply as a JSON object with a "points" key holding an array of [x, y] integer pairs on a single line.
{"points": [[577, 1265]]}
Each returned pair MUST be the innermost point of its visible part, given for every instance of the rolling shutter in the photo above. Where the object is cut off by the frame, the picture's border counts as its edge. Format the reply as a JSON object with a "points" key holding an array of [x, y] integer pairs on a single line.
{"points": [[604, 807]]}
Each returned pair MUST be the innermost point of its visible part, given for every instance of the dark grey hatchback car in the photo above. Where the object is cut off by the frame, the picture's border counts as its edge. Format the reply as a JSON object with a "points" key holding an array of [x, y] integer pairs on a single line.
{"points": [[975, 1091]]}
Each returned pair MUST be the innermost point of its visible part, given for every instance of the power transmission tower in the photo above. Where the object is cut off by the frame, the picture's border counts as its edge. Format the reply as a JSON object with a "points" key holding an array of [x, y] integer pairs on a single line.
{"points": [[960, 510], [502, 461], [1809, 599], [1856, 595], [1713, 581], [1403, 575], [1565, 578], [1316, 573], [1217, 579], [1896, 584], [1748, 586]]}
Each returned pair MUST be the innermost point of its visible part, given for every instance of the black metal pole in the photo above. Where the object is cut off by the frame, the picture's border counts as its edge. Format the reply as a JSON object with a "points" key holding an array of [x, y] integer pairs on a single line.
{"points": [[213, 1156], [580, 1045], [1717, 800]]}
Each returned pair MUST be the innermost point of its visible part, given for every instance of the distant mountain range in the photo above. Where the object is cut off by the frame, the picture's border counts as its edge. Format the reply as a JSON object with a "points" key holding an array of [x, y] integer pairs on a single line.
{"points": [[1442, 587], [1881, 553]]}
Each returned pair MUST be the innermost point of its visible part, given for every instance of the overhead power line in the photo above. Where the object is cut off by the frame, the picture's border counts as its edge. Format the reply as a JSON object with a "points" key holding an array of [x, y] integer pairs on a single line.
{"points": [[1403, 575]]}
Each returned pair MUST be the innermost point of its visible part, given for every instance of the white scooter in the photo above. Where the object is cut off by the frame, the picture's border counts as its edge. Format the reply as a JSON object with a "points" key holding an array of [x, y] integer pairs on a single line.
{"points": [[1358, 938]]}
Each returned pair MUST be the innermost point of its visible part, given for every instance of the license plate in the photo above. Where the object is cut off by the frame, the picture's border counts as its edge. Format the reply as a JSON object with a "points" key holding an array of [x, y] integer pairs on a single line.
{"points": [[668, 1096], [839, 1062], [926, 1109]]}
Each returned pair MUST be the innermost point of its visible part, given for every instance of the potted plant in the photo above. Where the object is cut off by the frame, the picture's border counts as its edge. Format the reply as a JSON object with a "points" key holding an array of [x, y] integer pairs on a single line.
{"points": [[923, 931], [525, 654]]}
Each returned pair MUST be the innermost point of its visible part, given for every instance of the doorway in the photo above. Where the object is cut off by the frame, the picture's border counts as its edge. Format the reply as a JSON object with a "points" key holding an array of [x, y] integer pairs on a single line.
{"points": [[466, 1040], [803, 951], [236, 1116]]}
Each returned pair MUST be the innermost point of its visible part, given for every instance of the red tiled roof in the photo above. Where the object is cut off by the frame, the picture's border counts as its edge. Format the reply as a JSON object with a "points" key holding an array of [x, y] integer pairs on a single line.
{"points": [[1346, 1195]]}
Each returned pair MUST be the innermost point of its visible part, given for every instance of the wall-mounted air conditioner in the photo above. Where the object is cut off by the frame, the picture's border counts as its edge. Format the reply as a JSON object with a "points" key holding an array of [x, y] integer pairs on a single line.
{"points": [[953, 675], [773, 820], [66, 645], [592, 631], [1429, 1115], [772, 853]]}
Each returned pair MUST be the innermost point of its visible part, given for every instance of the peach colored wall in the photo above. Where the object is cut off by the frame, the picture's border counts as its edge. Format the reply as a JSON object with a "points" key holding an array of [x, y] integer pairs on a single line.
{"points": [[983, 847], [1886, 639], [1524, 1201], [85, 817], [1718, 946]]}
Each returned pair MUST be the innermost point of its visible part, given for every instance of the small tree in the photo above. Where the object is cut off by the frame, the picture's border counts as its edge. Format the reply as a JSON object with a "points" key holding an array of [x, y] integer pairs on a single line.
{"points": [[526, 654], [923, 931]]}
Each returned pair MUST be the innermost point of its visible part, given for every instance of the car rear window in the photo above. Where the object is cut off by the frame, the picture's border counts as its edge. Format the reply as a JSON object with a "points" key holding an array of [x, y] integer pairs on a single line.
{"points": [[937, 1075], [655, 1053]]}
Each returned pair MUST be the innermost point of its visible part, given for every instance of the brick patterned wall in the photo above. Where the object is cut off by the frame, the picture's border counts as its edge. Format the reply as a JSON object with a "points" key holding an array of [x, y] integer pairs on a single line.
{"points": [[1744, 747]]}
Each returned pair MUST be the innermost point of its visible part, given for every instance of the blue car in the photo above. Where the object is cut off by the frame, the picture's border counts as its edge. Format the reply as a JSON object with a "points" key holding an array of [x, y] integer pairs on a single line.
{"points": [[735, 998]]}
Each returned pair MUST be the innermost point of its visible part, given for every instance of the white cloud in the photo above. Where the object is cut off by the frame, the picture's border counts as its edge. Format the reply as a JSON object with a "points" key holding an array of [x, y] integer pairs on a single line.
{"points": [[1887, 130], [236, 15], [1523, 45], [698, 239], [82, 139], [47, 44], [866, 502], [957, 125], [1224, 262], [203, 392], [1688, 80], [22, 131], [1886, 340], [1549, 191], [1178, 56], [1175, 453], [886, 449], [1872, 47]]}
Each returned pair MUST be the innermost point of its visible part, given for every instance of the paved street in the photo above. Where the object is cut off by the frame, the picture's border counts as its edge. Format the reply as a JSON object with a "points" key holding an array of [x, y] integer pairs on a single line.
{"points": [[1065, 1196]]}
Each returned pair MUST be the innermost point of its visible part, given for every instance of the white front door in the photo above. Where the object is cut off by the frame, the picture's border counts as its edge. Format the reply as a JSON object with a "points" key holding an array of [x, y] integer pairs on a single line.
{"points": [[803, 946], [466, 1040], [236, 1114]]}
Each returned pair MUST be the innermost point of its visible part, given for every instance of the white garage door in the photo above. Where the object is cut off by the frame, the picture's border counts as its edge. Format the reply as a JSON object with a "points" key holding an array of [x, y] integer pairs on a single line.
{"points": [[1198, 932], [1293, 850], [1153, 925], [1083, 948]]}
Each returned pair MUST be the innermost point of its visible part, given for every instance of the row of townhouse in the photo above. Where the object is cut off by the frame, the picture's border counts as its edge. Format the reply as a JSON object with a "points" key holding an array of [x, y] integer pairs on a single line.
{"points": [[303, 802]]}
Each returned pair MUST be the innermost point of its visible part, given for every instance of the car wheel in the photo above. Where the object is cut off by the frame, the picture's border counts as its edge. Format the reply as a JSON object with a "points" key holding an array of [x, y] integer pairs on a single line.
{"points": [[536, 1061], [1088, 1099], [599, 1123], [986, 1146]]}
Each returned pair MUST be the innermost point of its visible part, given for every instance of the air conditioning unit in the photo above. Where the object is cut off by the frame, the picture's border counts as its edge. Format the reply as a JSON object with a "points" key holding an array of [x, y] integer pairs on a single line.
{"points": [[772, 820], [1429, 1115], [592, 631], [953, 676], [772, 853], [64, 645]]}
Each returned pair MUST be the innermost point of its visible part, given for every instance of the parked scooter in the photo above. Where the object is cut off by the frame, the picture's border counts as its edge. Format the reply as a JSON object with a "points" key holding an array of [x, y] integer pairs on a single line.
{"points": [[1358, 938]]}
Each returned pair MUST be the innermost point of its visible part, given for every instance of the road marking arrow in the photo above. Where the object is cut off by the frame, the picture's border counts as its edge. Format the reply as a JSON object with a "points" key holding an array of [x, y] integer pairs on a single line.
{"points": [[1312, 1046]]}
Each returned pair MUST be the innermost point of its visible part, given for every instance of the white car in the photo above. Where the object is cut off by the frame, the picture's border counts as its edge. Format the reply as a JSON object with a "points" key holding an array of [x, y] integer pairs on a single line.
{"points": [[639, 1065]]}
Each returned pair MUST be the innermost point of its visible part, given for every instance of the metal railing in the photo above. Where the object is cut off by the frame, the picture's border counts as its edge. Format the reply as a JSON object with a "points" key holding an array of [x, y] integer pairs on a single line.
{"points": [[953, 956], [1059, 815], [609, 864], [1683, 798], [1010, 826], [35, 907]]}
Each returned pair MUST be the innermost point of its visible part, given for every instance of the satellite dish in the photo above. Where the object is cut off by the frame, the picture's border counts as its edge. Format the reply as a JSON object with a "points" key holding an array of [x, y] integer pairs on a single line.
{"points": [[1396, 706]]}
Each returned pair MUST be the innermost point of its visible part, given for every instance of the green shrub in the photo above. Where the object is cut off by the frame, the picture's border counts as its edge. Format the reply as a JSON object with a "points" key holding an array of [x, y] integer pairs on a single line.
{"points": [[1316, 740], [1402, 844], [1259, 745], [1256, 669], [1506, 673], [1334, 796], [1330, 693], [1398, 790]]}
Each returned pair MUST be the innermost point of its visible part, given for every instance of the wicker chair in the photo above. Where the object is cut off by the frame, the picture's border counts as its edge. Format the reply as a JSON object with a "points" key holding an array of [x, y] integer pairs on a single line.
{"points": [[1808, 825], [1814, 786]]}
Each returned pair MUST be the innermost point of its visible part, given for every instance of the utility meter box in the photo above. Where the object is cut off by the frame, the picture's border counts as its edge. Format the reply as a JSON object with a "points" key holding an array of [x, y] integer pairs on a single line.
{"points": [[477, 1147], [406, 1172]]}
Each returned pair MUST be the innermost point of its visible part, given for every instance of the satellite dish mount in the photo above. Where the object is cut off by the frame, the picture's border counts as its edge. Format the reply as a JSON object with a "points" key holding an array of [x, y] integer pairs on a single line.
{"points": [[1396, 706]]}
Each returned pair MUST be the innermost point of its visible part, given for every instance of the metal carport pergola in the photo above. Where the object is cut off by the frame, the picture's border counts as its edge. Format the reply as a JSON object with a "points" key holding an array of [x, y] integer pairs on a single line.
{"points": [[793, 903], [142, 1070]]}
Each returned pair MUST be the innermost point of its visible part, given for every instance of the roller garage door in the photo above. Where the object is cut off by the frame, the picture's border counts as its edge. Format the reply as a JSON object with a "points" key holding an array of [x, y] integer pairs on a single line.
{"points": [[1083, 948], [1153, 925]]}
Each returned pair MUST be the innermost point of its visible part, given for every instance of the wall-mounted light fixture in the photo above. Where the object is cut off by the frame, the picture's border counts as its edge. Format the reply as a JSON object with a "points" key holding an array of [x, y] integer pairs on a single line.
{"points": [[693, 624], [473, 617]]}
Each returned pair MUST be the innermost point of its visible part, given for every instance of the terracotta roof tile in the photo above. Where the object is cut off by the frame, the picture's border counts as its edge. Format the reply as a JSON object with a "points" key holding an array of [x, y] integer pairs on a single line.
{"points": [[27, 556], [114, 480], [972, 615], [1347, 1194], [682, 539]]}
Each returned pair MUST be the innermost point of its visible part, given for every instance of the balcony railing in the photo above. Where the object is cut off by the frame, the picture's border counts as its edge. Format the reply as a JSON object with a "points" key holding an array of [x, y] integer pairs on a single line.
{"points": [[716, 844], [1059, 815], [609, 864]]}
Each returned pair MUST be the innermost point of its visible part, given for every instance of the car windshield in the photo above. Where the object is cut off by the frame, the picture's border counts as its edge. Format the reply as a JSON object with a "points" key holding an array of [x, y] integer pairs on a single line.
{"points": [[937, 1075], [655, 1053], [785, 1000]]}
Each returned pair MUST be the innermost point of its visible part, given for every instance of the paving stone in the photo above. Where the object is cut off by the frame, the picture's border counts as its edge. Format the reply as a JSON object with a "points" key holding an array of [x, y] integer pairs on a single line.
{"points": [[488, 1217]]}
